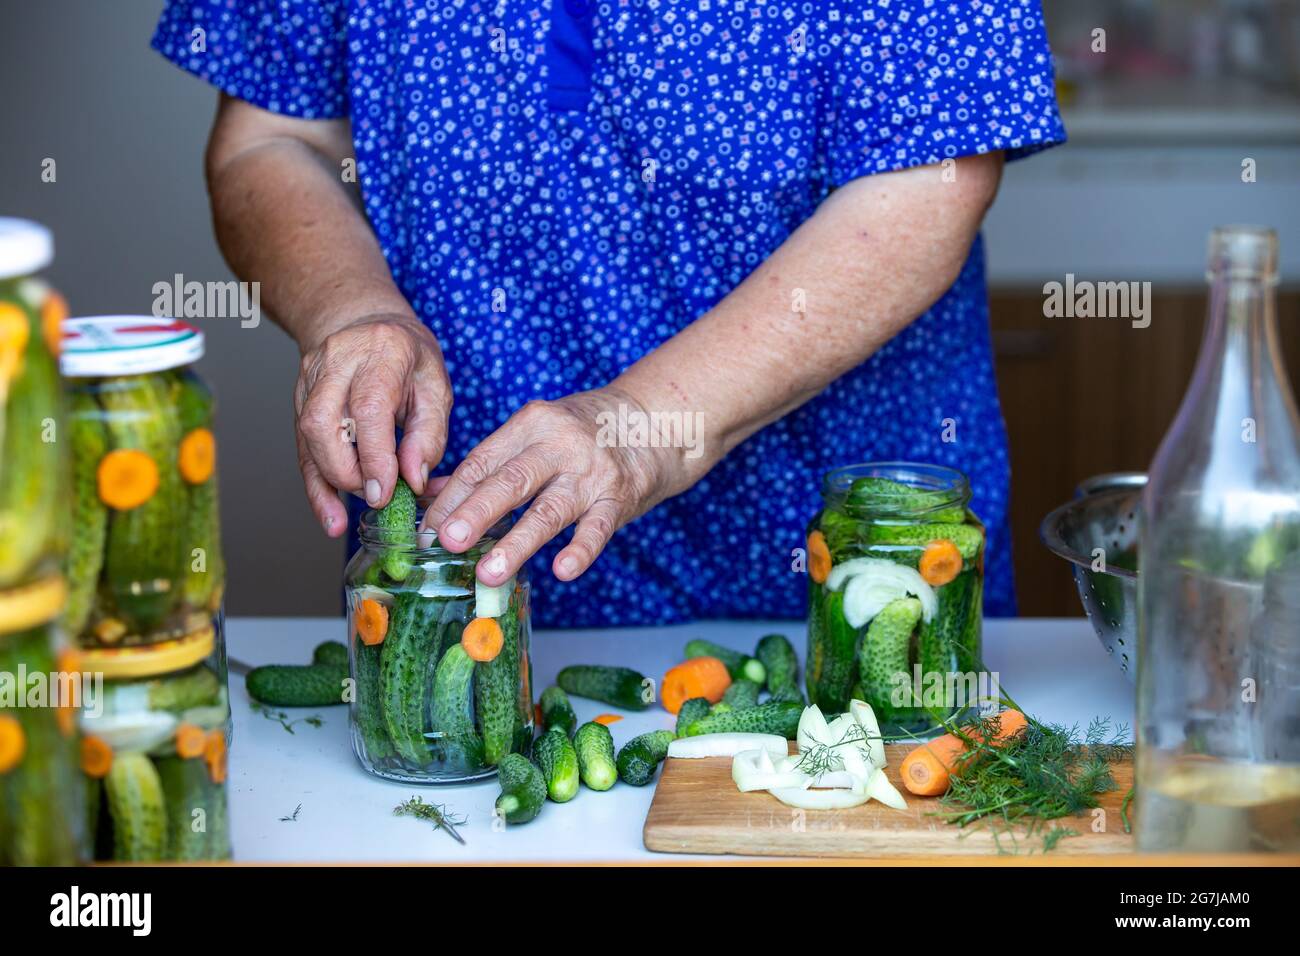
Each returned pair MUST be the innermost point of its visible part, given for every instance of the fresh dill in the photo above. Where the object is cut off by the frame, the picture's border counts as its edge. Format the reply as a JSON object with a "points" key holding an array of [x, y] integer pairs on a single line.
{"points": [[822, 759], [280, 717], [292, 818], [435, 813]]}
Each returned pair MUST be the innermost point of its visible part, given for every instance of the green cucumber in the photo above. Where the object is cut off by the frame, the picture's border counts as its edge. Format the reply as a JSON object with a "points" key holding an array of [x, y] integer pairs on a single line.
{"points": [[938, 640], [642, 755], [777, 655], [620, 686], [497, 692], [396, 523], [523, 789], [289, 685], [218, 824], [205, 571], [137, 807], [557, 711], [453, 710], [143, 563], [885, 653], [197, 687], [85, 558], [330, 652], [738, 665], [970, 651], [368, 708], [691, 711], [967, 538], [779, 717], [884, 495], [741, 694], [596, 764], [557, 758], [186, 788], [403, 672], [833, 662]]}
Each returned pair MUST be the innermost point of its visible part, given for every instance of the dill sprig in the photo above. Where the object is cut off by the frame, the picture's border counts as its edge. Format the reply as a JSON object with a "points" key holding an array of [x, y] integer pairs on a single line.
{"points": [[292, 818], [1046, 773], [821, 758], [435, 813], [280, 717]]}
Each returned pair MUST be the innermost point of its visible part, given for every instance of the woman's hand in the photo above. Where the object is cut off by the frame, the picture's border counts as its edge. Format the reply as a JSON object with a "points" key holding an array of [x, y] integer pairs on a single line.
{"points": [[355, 385], [558, 455]]}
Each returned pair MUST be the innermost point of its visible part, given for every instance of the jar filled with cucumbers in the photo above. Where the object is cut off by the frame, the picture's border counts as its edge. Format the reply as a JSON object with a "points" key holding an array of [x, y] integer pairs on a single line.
{"points": [[145, 564], [440, 660], [33, 513], [153, 751], [895, 595]]}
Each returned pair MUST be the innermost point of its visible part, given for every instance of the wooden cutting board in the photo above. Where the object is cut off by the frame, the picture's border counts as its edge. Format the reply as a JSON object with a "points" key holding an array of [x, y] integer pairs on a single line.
{"points": [[697, 809]]}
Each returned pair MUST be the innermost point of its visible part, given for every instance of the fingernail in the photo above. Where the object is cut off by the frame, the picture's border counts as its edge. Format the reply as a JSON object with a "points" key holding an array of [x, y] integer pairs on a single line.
{"points": [[372, 492], [496, 564], [424, 473], [568, 564], [458, 530], [329, 524]]}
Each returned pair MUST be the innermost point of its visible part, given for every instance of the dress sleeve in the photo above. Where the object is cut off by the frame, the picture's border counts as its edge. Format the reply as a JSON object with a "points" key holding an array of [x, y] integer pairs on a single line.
{"points": [[921, 81], [286, 56]]}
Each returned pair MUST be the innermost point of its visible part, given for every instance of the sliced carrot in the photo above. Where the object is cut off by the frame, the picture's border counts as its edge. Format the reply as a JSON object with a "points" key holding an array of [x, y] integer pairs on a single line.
{"points": [[53, 311], [14, 335], [13, 743], [819, 557], [65, 718], [940, 562], [65, 715], [928, 769], [127, 478], [537, 714], [96, 756], [482, 639], [191, 741], [198, 456], [607, 719], [372, 621], [214, 755], [705, 677]]}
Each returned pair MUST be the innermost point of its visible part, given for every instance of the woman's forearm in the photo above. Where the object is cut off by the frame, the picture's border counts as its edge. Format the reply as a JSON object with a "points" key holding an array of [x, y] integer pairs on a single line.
{"points": [[285, 218], [877, 254]]}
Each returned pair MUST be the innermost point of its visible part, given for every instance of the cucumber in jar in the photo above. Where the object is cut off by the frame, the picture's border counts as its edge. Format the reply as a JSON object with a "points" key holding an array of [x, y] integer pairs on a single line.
{"points": [[85, 559], [204, 565], [496, 691], [832, 670], [454, 733], [369, 704], [403, 672], [884, 655], [137, 808], [191, 813]]}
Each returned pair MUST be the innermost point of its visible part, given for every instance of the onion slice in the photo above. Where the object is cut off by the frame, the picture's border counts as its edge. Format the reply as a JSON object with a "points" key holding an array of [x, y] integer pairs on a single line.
{"points": [[727, 745], [819, 799], [754, 770]]}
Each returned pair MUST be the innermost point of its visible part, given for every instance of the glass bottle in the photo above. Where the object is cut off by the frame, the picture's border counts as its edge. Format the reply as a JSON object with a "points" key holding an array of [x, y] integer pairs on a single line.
{"points": [[1218, 685]]}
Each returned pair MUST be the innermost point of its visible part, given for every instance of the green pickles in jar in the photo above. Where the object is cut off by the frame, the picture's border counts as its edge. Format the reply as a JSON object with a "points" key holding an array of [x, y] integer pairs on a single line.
{"points": [[440, 661], [895, 561]]}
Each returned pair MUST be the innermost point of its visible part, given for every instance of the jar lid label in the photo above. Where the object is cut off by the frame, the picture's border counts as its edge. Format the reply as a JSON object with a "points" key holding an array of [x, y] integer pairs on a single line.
{"points": [[127, 345]]}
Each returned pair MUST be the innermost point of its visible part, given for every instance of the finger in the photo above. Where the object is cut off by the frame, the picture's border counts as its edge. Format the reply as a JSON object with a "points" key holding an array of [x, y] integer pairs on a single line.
{"points": [[322, 498], [460, 484], [550, 513], [424, 436], [594, 530], [372, 402], [515, 481], [328, 434]]}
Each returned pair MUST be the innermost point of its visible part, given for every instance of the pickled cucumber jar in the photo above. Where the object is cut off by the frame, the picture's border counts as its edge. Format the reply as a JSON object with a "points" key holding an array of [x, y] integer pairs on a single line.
{"points": [[33, 516], [440, 661], [145, 564], [895, 595], [154, 745]]}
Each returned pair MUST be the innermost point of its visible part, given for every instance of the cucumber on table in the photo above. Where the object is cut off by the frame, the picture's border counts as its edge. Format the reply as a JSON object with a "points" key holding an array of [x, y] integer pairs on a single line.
{"points": [[557, 758], [779, 717], [496, 691], [741, 694], [89, 515], [557, 711], [137, 807], [691, 711], [777, 655], [453, 710], [642, 755], [403, 672], [596, 765], [289, 685], [333, 653], [620, 686], [738, 665], [396, 522], [523, 789]]}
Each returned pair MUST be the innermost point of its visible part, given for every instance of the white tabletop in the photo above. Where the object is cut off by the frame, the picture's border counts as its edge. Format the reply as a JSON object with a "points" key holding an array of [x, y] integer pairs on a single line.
{"points": [[1055, 669]]}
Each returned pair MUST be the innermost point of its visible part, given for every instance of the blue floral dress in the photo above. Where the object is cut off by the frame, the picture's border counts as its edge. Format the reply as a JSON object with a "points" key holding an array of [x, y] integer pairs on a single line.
{"points": [[560, 186]]}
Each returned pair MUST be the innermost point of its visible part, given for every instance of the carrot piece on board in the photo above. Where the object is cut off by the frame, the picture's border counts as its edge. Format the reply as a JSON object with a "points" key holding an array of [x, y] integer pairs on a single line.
{"points": [[127, 478], [819, 557], [940, 562], [53, 311], [96, 756], [191, 741], [13, 743], [372, 621], [606, 719], [705, 677], [198, 456], [214, 755], [927, 770], [482, 639]]}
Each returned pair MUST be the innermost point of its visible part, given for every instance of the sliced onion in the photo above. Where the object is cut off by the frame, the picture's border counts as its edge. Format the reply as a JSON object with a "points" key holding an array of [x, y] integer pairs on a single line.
{"points": [[727, 745], [865, 718], [819, 799], [364, 592], [879, 788], [813, 729], [753, 770]]}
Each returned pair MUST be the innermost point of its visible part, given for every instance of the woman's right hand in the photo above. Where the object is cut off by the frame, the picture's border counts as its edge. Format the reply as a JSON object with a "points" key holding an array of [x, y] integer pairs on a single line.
{"points": [[356, 385]]}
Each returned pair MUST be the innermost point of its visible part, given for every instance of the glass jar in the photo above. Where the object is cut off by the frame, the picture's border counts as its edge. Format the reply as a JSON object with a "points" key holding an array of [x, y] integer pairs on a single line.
{"points": [[33, 520], [146, 564], [154, 748], [439, 660], [895, 595], [42, 811]]}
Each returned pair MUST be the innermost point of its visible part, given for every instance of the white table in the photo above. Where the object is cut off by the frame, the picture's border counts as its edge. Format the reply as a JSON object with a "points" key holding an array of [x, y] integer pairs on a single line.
{"points": [[1056, 669]]}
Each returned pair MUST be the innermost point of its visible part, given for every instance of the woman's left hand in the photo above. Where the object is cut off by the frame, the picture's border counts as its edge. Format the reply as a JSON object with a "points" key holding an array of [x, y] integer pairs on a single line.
{"points": [[552, 453]]}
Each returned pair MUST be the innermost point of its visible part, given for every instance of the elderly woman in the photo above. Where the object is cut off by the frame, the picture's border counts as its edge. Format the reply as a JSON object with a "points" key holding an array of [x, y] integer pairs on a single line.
{"points": [[498, 228]]}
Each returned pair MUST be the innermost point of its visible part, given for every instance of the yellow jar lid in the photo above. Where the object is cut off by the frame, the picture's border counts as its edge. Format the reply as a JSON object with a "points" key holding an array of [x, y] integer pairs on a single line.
{"points": [[146, 660], [31, 604]]}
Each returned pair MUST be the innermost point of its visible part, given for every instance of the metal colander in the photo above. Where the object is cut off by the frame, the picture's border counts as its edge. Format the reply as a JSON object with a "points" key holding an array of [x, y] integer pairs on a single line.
{"points": [[1103, 515]]}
